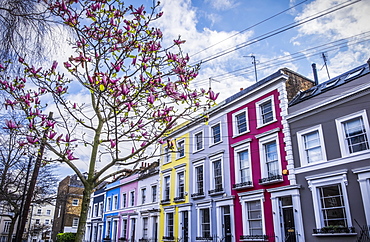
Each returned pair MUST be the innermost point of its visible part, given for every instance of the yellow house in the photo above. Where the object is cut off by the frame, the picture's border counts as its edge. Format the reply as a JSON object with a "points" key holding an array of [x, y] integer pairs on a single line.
{"points": [[174, 187]]}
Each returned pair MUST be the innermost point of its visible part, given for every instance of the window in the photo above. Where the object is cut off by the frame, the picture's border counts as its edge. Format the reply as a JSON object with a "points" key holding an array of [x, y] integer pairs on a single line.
{"points": [[242, 166], [109, 204], [166, 188], [265, 111], [353, 132], [167, 155], [75, 202], [37, 221], [254, 216], [101, 209], [124, 228], [180, 185], [115, 202], [124, 200], [330, 199], [143, 195], [96, 210], [269, 155], [47, 221], [198, 138], [154, 193], [180, 149], [48, 212], [215, 133], [39, 211], [169, 223], [199, 181], [145, 228], [132, 198], [311, 145], [205, 223], [216, 176], [133, 229], [240, 122], [7, 224], [75, 222]]}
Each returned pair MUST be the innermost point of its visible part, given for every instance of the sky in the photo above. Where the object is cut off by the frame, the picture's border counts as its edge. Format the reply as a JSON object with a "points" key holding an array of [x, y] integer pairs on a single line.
{"points": [[224, 34], [213, 27]]}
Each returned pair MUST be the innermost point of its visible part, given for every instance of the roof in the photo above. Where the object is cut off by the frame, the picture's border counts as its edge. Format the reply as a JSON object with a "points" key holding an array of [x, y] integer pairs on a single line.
{"points": [[331, 84]]}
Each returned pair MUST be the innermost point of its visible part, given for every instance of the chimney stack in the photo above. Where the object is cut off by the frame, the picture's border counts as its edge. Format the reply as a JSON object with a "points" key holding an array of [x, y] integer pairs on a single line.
{"points": [[315, 74]]}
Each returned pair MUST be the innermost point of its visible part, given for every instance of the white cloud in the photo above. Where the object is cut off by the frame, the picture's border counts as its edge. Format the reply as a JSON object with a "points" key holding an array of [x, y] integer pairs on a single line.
{"points": [[222, 4]]}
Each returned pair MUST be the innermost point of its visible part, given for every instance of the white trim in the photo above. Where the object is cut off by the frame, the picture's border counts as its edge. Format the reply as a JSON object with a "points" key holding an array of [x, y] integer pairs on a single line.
{"points": [[341, 132], [325, 179], [260, 123], [195, 150], [178, 171], [163, 195], [363, 174], [235, 124], [211, 138], [177, 147], [211, 161], [200, 206], [237, 150], [301, 145], [195, 184], [262, 142]]}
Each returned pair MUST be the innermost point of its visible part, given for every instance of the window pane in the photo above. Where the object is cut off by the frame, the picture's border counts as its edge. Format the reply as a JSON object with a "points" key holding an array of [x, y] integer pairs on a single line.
{"points": [[199, 141], [241, 123], [254, 217], [356, 137], [312, 146], [216, 133], [181, 148], [217, 174], [266, 112], [205, 223], [199, 176], [332, 205], [271, 159], [244, 166]]}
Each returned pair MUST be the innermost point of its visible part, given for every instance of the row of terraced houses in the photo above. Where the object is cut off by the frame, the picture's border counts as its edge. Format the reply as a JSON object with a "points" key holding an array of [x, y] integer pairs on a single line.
{"points": [[286, 159]]}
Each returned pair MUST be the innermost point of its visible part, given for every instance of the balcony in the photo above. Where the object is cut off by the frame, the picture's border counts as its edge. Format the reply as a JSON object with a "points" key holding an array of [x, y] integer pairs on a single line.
{"points": [[168, 238], [179, 199], [241, 185], [216, 191], [197, 195], [334, 230], [204, 238], [261, 237], [165, 201], [271, 179]]}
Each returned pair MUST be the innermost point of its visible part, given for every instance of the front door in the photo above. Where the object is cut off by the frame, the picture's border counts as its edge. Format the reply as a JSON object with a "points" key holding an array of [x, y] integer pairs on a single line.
{"points": [[185, 228], [287, 219], [226, 223]]}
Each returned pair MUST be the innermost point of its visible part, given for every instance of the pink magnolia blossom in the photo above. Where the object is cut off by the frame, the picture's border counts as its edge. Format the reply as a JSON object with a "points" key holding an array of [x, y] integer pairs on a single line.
{"points": [[151, 98], [10, 124], [212, 95], [32, 140], [70, 155], [54, 66], [139, 10], [112, 143]]}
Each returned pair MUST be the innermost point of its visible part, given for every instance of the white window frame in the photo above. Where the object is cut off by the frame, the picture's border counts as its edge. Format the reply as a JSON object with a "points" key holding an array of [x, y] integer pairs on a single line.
{"points": [[167, 155], [124, 201], [262, 141], [95, 210], [179, 156], [132, 199], [212, 136], [195, 141], [74, 203], [144, 195], [101, 210], [115, 202], [145, 229], [39, 211], [363, 174], [198, 208], [195, 184], [164, 186], [166, 230], [251, 197], [235, 123], [48, 212], [260, 123], [124, 231], [212, 182], [178, 171], [108, 206], [154, 196], [75, 222], [326, 179], [341, 132], [301, 144], [237, 150]]}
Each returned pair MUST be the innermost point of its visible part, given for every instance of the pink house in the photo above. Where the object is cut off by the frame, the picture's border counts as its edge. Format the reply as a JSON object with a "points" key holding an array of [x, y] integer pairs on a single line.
{"points": [[265, 193]]}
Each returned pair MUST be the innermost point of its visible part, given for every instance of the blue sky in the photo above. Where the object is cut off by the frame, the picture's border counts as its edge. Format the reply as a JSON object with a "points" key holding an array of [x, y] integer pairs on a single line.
{"points": [[204, 23]]}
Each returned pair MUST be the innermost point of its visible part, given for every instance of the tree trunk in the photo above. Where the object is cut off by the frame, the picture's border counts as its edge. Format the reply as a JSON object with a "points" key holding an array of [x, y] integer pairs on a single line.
{"points": [[11, 228], [84, 210]]}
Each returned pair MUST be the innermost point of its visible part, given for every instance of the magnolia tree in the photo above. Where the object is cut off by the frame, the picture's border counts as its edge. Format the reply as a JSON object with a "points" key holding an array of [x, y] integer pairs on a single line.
{"points": [[134, 92]]}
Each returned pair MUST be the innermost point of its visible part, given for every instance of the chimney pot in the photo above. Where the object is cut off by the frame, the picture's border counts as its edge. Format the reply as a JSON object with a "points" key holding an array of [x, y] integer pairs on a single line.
{"points": [[315, 74]]}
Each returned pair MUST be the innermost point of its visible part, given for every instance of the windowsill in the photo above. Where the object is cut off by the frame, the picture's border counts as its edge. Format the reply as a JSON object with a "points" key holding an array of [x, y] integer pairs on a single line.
{"points": [[237, 135], [219, 142], [263, 125], [178, 200], [164, 202], [211, 193], [179, 158], [347, 154], [198, 150], [278, 178], [242, 185], [334, 234], [197, 196]]}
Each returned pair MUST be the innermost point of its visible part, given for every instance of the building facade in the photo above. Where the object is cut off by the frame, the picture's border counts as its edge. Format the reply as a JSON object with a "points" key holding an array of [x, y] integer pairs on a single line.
{"points": [[329, 126]]}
